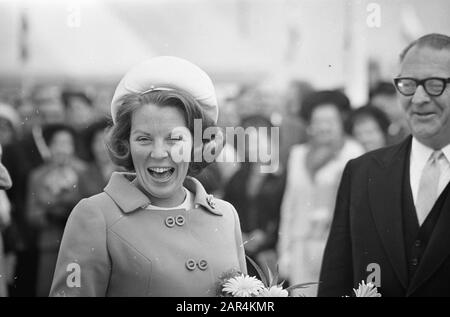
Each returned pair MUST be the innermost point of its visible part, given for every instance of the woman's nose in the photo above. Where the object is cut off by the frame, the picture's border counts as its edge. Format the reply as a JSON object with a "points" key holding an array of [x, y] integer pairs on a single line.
{"points": [[159, 151]]}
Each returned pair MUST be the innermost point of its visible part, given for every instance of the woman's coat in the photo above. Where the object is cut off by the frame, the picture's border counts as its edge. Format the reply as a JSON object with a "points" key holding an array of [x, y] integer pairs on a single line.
{"points": [[114, 246]]}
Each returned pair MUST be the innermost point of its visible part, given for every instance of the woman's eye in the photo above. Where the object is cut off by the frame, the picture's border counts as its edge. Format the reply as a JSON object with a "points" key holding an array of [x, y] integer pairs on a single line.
{"points": [[143, 139], [176, 138]]}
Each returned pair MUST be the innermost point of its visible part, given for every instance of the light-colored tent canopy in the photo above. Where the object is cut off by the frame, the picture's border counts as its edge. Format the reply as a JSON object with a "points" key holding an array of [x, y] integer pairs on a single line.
{"points": [[325, 42]]}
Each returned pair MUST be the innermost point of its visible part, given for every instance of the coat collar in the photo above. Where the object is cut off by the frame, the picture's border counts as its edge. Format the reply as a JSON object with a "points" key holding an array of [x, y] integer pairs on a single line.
{"points": [[385, 195], [123, 191]]}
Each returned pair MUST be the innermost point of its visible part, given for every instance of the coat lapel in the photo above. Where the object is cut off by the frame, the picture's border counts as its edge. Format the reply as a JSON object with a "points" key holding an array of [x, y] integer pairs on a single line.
{"points": [[201, 197], [385, 195], [438, 248]]}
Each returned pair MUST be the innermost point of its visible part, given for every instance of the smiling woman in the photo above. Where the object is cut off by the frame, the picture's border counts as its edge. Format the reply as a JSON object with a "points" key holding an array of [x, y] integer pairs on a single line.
{"points": [[153, 231], [150, 128]]}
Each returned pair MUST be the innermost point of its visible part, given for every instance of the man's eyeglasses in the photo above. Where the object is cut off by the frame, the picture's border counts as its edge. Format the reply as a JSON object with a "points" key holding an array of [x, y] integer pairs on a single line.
{"points": [[434, 86]]}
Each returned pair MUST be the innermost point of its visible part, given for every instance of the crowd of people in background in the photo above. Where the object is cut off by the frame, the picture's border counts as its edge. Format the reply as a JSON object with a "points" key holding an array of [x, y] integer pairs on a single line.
{"points": [[54, 149], [55, 154]]}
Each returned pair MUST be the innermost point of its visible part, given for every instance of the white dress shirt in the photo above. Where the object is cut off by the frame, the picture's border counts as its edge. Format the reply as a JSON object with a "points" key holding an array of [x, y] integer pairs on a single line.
{"points": [[418, 159]]}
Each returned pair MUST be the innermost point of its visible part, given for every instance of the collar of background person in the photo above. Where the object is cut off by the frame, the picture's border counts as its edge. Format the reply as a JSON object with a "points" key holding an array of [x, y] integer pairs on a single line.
{"points": [[123, 191]]}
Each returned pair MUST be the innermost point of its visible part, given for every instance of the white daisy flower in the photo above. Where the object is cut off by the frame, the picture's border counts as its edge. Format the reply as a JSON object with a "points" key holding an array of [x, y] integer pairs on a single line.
{"points": [[366, 290], [274, 291], [243, 286]]}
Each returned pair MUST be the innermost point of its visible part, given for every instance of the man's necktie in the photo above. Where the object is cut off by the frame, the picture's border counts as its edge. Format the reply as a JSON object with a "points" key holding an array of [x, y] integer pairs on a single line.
{"points": [[428, 186]]}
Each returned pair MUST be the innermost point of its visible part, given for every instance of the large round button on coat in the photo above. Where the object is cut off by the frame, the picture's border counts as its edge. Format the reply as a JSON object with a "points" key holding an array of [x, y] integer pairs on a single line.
{"points": [[190, 264], [202, 265], [170, 222], [180, 220]]}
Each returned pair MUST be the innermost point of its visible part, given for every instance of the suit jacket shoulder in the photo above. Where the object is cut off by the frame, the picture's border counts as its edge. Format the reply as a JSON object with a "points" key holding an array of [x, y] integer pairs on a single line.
{"points": [[382, 156]]}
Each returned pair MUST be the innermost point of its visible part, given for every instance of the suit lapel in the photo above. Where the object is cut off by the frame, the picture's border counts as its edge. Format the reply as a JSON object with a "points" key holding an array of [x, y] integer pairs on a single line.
{"points": [[438, 248], [385, 195]]}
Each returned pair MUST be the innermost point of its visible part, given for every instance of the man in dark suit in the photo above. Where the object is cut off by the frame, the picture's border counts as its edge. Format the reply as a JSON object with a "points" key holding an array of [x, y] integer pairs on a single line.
{"points": [[391, 224]]}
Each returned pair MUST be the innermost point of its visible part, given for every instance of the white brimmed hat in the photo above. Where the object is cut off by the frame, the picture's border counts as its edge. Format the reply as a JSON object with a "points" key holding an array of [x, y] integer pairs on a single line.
{"points": [[168, 73]]}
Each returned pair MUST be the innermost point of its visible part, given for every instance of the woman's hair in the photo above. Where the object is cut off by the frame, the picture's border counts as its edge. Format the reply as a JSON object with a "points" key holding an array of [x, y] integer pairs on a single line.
{"points": [[118, 138], [49, 131], [369, 112], [325, 97]]}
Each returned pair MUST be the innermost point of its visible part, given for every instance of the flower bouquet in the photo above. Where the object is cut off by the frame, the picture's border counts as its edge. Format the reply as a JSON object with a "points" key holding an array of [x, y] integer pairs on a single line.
{"points": [[236, 284]]}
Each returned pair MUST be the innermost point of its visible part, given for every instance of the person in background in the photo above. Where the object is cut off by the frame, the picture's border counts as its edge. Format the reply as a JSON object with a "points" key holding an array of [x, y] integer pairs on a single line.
{"points": [[227, 162], [211, 179], [313, 174], [53, 191], [384, 97], [80, 114], [257, 197], [27, 114], [292, 125], [369, 126], [99, 164], [5, 184], [79, 109], [20, 158]]}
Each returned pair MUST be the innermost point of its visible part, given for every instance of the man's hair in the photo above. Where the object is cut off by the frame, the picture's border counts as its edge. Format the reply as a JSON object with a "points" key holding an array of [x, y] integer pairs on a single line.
{"points": [[433, 40]]}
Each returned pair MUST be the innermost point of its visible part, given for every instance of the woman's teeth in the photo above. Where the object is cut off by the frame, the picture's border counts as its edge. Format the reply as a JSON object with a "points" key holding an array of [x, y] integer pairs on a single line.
{"points": [[160, 169], [161, 172]]}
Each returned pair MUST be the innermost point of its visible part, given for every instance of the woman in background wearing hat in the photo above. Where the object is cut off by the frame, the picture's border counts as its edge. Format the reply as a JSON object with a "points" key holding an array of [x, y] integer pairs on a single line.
{"points": [[155, 231], [313, 173]]}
